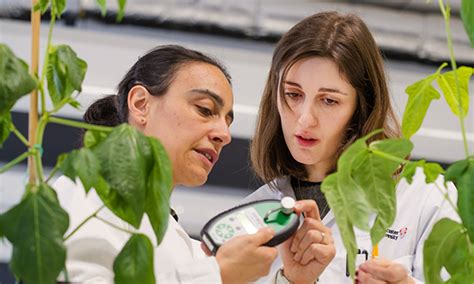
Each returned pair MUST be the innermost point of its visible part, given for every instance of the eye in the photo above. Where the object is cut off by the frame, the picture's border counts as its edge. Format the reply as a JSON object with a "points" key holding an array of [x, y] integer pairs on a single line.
{"points": [[204, 111], [292, 95], [329, 102]]}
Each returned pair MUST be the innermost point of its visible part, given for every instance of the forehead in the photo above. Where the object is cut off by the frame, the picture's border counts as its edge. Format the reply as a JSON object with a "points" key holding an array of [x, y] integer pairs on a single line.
{"points": [[197, 75]]}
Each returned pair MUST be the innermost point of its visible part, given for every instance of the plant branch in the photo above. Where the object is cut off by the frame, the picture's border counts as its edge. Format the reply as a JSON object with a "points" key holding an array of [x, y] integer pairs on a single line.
{"points": [[115, 226], [53, 172], [83, 222], [15, 161], [19, 135], [446, 10], [446, 196], [389, 157], [79, 124]]}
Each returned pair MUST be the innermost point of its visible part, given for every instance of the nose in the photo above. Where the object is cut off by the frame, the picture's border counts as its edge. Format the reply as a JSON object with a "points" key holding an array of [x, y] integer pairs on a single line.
{"points": [[221, 133], [307, 116]]}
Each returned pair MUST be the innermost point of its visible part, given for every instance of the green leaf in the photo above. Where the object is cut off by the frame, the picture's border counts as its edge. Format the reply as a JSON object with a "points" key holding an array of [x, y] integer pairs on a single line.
{"points": [[462, 174], [103, 7], [374, 175], [446, 246], [420, 95], [75, 104], [336, 200], [83, 164], [467, 16], [448, 85], [432, 171], [350, 193], [58, 7], [42, 5], [36, 227], [5, 127], [15, 80], [125, 163], [65, 73], [134, 264], [409, 170], [159, 190], [93, 137], [121, 11]]}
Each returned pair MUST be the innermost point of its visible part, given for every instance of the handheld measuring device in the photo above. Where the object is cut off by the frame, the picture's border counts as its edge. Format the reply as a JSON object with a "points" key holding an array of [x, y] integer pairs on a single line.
{"points": [[249, 218]]}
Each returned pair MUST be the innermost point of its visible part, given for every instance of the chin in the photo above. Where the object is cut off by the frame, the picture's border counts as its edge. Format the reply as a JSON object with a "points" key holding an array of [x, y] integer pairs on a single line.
{"points": [[195, 180]]}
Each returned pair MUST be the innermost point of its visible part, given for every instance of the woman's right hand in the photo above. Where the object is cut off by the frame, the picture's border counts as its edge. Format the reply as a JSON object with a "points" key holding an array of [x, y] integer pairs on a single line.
{"points": [[244, 258]]}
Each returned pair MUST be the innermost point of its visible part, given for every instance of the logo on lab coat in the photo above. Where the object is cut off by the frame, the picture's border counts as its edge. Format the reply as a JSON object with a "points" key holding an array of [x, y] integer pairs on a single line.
{"points": [[396, 234]]}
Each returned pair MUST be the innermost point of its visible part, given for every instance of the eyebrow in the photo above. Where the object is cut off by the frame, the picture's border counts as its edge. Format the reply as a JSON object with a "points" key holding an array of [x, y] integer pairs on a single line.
{"points": [[323, 89], [215, 98]]}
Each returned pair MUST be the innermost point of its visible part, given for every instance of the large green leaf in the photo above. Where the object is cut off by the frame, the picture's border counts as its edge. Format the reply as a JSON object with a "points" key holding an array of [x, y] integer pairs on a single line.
{"points": [[159, 190], [350, 193], [58, 7], [447, 84], [125, 160], [446, 247], [5, 129], [36, 227], [374, 175], [83, 164], [15, 80], [336, 199], [420, 95], [65, 73], [462, 174], [467, 16], [134, 264]]}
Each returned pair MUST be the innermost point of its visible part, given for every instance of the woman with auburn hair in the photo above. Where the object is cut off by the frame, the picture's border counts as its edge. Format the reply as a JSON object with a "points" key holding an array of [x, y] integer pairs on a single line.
{"points": [[326, 88]]}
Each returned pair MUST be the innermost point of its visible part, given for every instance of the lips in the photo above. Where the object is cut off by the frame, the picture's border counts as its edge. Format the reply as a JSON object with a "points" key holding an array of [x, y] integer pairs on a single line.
{"points": [[209, 154], [306, 141]]}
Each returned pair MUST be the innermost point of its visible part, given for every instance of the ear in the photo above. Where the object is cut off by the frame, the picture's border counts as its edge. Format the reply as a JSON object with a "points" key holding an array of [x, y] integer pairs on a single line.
{"points": [[138, 105]]}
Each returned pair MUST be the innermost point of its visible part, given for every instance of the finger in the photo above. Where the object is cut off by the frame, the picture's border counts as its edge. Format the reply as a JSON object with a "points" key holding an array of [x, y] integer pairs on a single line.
{"points": [[308, 224], [366, 278], [205, 249], [379, 270], [262, 236], [318, 252], [309, 207]]}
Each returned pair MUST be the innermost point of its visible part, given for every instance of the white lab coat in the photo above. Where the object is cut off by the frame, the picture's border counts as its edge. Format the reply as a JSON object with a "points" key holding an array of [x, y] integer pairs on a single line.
{"points": [[419, 207], [92, 250]]}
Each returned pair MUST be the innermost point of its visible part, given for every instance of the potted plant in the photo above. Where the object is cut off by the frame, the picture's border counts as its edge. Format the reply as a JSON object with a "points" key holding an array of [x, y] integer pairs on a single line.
{"points": [[355, 199], [36, 226]]}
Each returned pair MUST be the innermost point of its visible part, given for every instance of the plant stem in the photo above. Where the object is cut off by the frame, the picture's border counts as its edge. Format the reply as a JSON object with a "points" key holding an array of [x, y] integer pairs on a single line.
{"points": [[14, 162], [53, 172], [19, 135], [389, 157], [446, 196], [79, 124], [83, 222], [446, 14], [115, 226]]}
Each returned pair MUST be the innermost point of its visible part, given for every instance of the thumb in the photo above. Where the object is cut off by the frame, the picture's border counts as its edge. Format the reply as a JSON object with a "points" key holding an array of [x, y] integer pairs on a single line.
{"points": [[263, 236]]}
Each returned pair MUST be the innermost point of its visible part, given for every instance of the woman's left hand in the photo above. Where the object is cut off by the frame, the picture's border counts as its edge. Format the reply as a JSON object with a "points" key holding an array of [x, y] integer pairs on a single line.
{"points": [[310, 250], [381, 271]]}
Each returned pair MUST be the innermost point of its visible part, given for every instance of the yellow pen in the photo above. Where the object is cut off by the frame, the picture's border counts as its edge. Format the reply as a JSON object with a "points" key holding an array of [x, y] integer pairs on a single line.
{"points": [[375, 251]]}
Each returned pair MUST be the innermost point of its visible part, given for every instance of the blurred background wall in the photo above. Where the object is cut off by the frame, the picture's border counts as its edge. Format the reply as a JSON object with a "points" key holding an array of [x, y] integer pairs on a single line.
{"points": [[242, 34]]}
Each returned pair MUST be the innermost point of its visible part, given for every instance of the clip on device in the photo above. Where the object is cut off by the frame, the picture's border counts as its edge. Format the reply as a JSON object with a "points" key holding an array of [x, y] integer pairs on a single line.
{"points": [[249, 218]]}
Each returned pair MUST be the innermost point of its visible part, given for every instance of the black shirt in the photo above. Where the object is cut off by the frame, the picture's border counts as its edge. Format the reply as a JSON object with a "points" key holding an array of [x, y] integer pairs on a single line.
{"points": [[310, 190]]}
